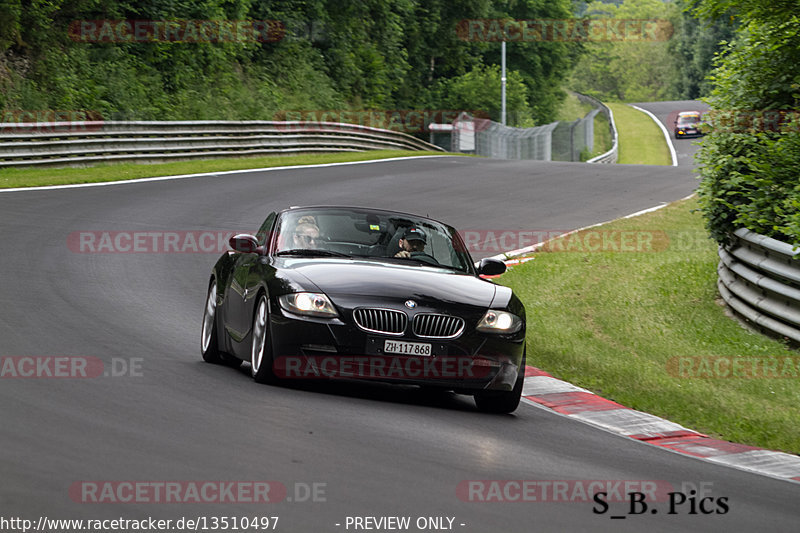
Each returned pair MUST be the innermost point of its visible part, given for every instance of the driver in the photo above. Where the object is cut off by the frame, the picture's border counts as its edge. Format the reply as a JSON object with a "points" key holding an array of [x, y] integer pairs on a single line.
{"points": [[306, 233], [412, 246]]}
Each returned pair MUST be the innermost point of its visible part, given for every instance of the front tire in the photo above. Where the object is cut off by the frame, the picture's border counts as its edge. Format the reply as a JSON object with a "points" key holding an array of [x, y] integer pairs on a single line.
{"points": [[261, 348], [505, 401], [209, 337]]}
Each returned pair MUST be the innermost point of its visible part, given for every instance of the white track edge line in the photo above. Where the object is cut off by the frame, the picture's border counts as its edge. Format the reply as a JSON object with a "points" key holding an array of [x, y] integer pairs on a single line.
{"points": [[529, 249], [211, 174], [671, 147], [534, 247]]}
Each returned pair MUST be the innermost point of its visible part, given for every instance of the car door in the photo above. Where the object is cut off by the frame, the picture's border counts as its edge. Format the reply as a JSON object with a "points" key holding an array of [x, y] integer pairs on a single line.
{"points": [[238, 312], [236, 319]]}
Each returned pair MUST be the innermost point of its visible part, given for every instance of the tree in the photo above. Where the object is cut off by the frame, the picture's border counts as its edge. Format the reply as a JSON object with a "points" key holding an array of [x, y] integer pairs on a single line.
{"points": [[628, 70], [479, 91], [360, 54], [544, 64], [693, 48]]}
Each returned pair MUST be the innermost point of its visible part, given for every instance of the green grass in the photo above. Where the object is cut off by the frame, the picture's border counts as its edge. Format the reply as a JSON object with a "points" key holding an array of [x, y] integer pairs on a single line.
{"points": [[611, 321], [602, 135], [572, 109], [641, 141], [37, 176]]}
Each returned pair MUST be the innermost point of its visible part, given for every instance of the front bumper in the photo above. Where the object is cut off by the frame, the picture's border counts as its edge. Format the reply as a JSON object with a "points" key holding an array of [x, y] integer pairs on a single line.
{"points": [[689, 132], [311, 348]]}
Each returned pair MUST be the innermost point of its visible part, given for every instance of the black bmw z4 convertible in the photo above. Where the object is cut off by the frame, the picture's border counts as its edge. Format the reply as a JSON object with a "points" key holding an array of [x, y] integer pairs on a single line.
{"points": [[355, 293]]}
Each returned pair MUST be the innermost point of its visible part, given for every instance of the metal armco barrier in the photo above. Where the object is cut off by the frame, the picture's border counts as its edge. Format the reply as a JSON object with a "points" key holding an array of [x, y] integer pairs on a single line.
{"points": [[760, 280], [611, 155], [74, 143], [557, 141]]}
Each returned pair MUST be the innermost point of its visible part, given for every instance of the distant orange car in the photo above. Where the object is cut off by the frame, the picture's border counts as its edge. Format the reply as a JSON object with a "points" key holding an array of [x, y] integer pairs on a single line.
{"points": [[688, 124]]}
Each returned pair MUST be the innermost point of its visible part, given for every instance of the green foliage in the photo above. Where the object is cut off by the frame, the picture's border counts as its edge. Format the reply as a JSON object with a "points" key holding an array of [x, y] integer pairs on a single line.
{"points": [[627, 70], [479, 90], [360, 54], [11, 11], [693, 48], [434, 49], [543, 65], [772, 12], [750, 180], [749, 175]]}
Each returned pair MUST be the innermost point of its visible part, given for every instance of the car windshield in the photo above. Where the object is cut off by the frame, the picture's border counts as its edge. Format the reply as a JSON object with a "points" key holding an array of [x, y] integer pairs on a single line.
{"points": [[373, 234], [688, 119]]}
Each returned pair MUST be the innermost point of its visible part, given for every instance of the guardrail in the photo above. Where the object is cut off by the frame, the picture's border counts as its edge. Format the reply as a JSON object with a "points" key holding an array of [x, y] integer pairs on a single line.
{"points": [[611, 155], [70, 143], [760, 280]]}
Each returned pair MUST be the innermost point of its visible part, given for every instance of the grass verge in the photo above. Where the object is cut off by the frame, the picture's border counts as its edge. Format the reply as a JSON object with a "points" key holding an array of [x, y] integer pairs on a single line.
{"points": [[572, 108], [641, 141], [614, 322], [602, 135], [39, 176]]}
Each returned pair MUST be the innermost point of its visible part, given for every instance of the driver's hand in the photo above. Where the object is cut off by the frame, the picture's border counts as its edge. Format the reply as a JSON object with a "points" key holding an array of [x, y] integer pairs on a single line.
{"points": [[403, 253]]}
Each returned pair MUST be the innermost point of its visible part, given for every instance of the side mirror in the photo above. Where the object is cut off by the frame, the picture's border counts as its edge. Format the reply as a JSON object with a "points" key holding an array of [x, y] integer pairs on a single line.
{"points": [[491, 267], [244, 243]]}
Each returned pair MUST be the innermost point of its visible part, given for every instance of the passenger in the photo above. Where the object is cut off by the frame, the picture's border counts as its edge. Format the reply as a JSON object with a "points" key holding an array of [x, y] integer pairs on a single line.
{"points": [[306, 233]]}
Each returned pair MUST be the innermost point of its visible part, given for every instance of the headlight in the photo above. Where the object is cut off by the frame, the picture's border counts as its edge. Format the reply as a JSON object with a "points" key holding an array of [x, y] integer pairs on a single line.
{"points": [[499, 322], [308, 304]]}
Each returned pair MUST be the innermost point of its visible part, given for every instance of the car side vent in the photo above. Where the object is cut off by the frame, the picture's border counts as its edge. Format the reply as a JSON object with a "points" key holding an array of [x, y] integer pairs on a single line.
{"points": [[386, 321], [437, 326]]}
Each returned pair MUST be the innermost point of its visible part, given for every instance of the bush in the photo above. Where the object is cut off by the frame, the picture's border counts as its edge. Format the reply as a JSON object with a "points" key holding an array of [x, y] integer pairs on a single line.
{"points": [[749, 175]]}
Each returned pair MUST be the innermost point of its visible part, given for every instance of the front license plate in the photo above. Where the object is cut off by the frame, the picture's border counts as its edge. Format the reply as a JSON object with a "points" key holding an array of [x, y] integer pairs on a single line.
{"points": [[407, 348]]}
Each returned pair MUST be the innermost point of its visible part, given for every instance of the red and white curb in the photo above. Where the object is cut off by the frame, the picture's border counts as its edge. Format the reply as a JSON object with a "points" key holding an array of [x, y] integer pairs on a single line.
{"points": [[566, 399]]}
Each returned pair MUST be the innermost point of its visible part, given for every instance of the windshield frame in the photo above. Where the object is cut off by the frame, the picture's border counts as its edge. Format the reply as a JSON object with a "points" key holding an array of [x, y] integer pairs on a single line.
{"points": [[390, 224]]}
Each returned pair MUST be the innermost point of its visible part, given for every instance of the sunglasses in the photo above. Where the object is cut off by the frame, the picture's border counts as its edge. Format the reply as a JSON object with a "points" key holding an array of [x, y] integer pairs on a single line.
{"points": [[306, 238]]}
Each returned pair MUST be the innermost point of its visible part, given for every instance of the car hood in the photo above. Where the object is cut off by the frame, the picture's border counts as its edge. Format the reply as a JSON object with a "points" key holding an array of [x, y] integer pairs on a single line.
{"points": [[374, 280]]}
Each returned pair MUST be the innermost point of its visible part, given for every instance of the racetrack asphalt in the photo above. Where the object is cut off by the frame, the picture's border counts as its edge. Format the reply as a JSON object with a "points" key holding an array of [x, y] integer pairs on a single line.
{"points": [[667, 113], [374, 450]]}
